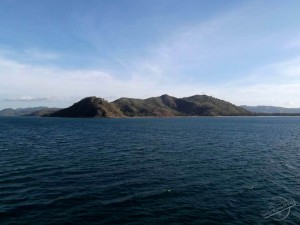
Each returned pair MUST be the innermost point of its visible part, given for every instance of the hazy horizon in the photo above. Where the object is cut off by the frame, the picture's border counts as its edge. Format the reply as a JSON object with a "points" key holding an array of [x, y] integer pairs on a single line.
{"points": [[25, 105], [53, 53]]}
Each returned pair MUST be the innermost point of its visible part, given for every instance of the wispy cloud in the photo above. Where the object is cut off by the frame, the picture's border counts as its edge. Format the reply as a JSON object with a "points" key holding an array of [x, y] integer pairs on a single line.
{"points": [[36, 54], [292, 43], [28, 99], [270, 84], [231, 46], [237, 55]]}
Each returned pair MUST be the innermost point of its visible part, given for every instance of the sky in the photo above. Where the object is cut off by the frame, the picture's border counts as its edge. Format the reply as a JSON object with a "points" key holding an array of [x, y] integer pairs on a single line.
{"points": [[55, 52]]}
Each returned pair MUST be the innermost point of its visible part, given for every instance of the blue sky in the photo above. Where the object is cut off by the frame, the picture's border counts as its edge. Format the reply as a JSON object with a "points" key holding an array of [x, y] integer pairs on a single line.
{"points": [[55, 52]]}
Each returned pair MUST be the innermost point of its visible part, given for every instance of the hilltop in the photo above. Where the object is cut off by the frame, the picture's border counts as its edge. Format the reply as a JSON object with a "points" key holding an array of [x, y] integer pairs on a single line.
{"points": [[165, 105], [89, 107]]}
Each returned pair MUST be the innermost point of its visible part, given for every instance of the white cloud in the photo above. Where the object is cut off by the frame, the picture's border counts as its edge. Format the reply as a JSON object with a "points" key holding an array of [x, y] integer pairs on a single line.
{"points": [[28, 99], [31, 55], [274, 84], [28, 80], [271, 84], [226, 39]]}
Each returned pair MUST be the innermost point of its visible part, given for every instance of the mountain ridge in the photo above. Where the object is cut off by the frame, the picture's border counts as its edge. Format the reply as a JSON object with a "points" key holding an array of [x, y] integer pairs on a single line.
{"points": [[161, 106], [270, 109], [25, 111]]}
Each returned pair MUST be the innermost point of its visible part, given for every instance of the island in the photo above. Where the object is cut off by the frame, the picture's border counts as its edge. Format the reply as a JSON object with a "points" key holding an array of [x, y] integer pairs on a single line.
{"points": [[162, 106]]}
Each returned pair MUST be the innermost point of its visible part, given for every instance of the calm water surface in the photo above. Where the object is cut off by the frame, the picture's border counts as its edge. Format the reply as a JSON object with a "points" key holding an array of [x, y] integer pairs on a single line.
{"points": [[148, 171]]}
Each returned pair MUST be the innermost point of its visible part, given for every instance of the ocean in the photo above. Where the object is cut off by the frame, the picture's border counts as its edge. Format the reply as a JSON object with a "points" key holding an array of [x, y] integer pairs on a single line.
{"points": [[193, 170]]}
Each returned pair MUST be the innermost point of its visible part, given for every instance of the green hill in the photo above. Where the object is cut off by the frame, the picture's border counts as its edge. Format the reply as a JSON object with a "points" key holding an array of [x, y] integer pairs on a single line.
{"points": [[162, 106], [89, 107], [155, 106], [165, 105]]}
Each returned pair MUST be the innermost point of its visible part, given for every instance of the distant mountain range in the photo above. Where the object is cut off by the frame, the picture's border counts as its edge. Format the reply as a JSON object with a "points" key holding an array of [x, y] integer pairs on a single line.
{"points": [[162, 106], [35, 111], [270, 109]]}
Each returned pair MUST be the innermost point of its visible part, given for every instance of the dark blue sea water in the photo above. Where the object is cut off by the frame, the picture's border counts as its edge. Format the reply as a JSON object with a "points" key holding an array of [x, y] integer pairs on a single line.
{"points": [[148, 171]]}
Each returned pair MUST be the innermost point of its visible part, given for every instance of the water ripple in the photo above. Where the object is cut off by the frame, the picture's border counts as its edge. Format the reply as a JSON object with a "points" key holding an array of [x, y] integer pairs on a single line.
{"points": [[147, 171]]}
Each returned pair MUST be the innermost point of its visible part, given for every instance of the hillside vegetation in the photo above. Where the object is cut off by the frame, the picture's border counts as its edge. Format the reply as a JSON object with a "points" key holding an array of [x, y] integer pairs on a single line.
{"points": [[162, 106]]}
